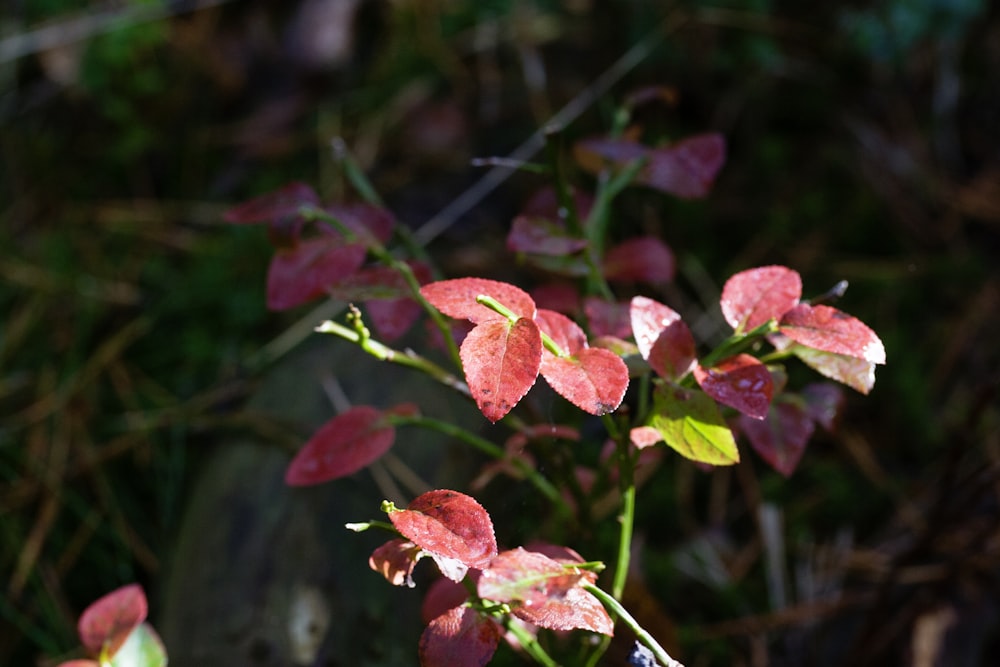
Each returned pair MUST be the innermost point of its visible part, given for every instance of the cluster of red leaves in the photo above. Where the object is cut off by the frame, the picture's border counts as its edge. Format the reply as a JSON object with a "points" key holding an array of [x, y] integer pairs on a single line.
{"points": [[312, 259], [542, 585], [113, 622]]}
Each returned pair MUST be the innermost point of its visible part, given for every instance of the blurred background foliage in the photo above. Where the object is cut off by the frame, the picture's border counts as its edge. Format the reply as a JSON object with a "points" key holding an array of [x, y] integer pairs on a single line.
{"points": [[863, 145]]}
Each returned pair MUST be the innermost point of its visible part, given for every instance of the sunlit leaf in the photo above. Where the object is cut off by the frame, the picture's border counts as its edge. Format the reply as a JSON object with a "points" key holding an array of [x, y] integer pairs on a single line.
{"points": [[594, 379], [451, 524], [110, 619], [142, 648], [566, 333], [460, 637], [690, 422], [541, 236], [501, 362], [673, 354], [648, 318], [751, 298], [443, 594], [345, 444], [526, 577], [827, 329], [395, 561], [857, 374], [644, 259], [303, 272], [741, 382], [644, 436], [457, 298], [275, 205], [576, 610], [781, 438], [79, 663]]}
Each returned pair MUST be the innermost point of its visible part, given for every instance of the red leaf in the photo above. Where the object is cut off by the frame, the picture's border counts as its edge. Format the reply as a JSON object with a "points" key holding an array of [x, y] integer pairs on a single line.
{"points": [[457, 298], [274, 205], [443, 594], [501, 361], [741, 382], [460, 637], [109, 620], [607, 318], [450, 524], [645, 259], [751, 298], [527, 578], [566, 333], [648, 319], [395, 561], [673, 354], [830, 330], [577, 610], [781, 438], [304, 272], [347, 443], [688, 168], [540, 236], [593, 380], [372, 224], [824, 401]]}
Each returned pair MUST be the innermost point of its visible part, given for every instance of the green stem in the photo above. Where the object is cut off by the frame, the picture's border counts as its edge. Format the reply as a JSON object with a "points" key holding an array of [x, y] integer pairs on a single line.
{"points": [[492, 450], [616, 609], [498, 307], [738, 342], [528, 642]]}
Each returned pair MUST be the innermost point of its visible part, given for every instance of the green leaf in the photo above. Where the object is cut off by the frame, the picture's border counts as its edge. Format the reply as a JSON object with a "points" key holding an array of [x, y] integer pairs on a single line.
{"points": [[690, 422], [143, 648]]}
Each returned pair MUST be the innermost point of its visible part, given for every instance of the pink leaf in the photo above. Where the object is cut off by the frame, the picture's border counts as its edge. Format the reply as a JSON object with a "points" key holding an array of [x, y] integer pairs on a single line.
{"points": [[857, 374], [830, 330], [644, 436], [108, 621], [648, 319], [527, 578], [79, 663], [751, 298], [781, 438], [274, 205], [372, 224], [673, 353], [566, 333], [577, 610], [686, 169], [594, 380], [460, 637], [304, 272], [645, 259], [347, 443], [607, 318], [443, 594], [395, 561], [450, 524], [457, 298], [741, 382], [501, 361], [540, 236]]}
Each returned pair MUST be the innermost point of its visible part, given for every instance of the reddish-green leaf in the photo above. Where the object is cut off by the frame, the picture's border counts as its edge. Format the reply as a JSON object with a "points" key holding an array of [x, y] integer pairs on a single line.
{"points": [[395, 561], [689, 422], [645, 259], [143, 646], [856, 373], [109, 620], [526, 577], [686, 169], [673, 353], [827, 329], [460, 637], [457, 298], [274, 205], [347, 443], [741, 382], [781, 438], [593, 380], [304, 272], [751, 298], [540, 236], [450, 524], [501, 361], [648, 319], [607, 318], [576, 610]]}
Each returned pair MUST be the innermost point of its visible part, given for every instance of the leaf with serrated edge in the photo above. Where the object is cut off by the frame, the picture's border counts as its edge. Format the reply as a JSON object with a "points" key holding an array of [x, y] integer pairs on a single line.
{"points": [[741, 382], [460, 637], [593, 380], [110, 619], [690, 423], [526, 577], [457, 298], [751, 298], [827, 329], [450, 524], [501, 362], [649, 318], [577, 610], [345, 444], [857, 374]]}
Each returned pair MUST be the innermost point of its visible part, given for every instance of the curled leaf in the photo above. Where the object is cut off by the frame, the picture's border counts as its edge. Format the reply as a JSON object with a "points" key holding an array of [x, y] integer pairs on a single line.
{"points": [[450, 524], [827, 329]]}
